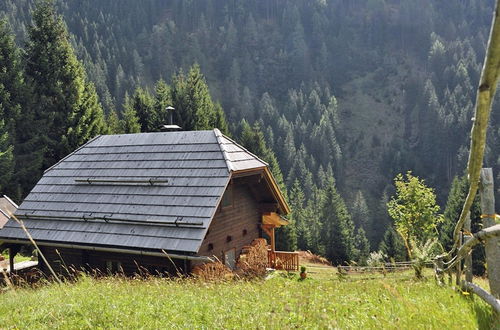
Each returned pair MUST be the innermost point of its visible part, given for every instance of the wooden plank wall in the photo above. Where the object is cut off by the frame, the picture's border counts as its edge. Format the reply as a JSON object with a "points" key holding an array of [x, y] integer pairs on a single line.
{"points": [[243, 215], [63, 259]]}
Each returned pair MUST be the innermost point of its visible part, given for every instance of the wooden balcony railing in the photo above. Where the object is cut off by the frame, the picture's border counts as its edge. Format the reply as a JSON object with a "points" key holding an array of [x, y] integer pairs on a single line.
{"points": [[283, 260]]}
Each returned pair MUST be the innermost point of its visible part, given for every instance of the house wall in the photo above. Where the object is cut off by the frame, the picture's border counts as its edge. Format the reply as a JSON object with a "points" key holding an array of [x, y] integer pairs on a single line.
{"points": [[62, 259], [243, 215]]}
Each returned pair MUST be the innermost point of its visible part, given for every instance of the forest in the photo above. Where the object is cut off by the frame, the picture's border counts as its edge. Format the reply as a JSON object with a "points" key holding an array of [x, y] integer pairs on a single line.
{"points": [[337, 96]]}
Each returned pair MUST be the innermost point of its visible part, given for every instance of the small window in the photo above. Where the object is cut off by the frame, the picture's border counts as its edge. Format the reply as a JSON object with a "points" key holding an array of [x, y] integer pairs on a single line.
{"points": [[227, 198], [210, 247], [244, 232], [229, 239]]}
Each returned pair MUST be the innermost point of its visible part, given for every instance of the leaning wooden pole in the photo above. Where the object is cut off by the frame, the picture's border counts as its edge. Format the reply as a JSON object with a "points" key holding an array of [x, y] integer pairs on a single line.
{"points": [[491, 245], [485, 94]]}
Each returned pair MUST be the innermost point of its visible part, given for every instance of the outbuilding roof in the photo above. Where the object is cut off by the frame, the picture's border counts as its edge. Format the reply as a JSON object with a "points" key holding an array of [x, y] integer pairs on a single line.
{"points": [[144, 191]]}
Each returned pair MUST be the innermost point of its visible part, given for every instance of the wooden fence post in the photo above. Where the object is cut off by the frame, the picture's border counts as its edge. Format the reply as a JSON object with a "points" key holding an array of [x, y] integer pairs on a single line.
{"points": [[491, 247], [468, 258]]}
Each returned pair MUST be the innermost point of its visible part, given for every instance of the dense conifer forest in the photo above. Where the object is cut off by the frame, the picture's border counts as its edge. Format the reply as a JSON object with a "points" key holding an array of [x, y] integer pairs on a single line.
{"points": [[338, 96]]}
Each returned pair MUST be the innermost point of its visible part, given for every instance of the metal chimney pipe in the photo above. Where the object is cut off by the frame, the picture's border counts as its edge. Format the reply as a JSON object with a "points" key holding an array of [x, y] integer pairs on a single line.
{"points": [[170, 111]]}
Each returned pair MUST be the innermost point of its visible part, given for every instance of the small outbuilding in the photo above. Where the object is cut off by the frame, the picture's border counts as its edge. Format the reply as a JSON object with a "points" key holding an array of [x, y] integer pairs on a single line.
{"points": [[161, 202]]}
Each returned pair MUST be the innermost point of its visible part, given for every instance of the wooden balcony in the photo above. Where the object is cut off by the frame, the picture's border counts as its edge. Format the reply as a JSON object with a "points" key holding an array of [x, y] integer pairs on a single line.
{"points": [[283, 260]]}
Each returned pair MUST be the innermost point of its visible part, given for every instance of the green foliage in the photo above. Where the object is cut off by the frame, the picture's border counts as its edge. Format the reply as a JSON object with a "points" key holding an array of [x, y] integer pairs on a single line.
{"points": [[156, 302], [143, 104], [66, 106], [6, 157], [193, 103], [299, 217], [130, 122], [337, 235], [414, 210], [423, 253], [362, 246], [113, 123], [392, 246], [10, 81], [456, 198]]}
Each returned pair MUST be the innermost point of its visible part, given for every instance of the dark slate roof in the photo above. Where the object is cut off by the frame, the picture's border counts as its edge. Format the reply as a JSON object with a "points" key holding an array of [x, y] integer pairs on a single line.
{"points": [[147, 191]]}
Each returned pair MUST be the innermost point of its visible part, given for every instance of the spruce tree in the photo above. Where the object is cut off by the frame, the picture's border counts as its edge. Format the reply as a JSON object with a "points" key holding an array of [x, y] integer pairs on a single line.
{"points": [[337, 227], [193, 103], [297, 204], [10, 89], [143, 104], [362, 246], [392, 246], [11, 78], [114, 123], [130, 122], [6, 157], [162, 99], [64, 102]]}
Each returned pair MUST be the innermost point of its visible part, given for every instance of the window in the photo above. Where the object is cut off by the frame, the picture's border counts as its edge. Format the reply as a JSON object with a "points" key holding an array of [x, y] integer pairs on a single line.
{"points": [[227, 198]]}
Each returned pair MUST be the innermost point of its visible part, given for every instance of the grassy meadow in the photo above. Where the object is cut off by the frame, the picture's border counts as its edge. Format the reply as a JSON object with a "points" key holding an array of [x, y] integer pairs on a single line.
{"points": [[282, 301]]}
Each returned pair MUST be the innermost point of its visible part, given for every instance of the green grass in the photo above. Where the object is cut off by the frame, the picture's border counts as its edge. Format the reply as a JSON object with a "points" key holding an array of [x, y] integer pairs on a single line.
{"points": [[277, 303]]}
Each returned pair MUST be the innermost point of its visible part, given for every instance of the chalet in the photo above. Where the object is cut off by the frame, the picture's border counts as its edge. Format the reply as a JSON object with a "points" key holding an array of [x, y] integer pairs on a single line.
{"points": [[154, 201]]}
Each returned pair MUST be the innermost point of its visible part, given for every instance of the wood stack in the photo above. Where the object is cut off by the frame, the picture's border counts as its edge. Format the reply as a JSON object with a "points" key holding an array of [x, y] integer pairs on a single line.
{"points": [[253, 259], [213, 271]]}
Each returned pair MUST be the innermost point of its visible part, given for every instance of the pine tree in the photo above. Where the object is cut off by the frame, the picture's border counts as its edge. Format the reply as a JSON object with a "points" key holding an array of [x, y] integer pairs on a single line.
{"points": [[11, 78], [297, 204], [143, 104], [360, 212], [114, 123], [87, 121], [130, 122], [10, 88], [162, 99], [362, 246], [65, 103], [6, 157], [193, 103], [337, 227], [392, 246]]}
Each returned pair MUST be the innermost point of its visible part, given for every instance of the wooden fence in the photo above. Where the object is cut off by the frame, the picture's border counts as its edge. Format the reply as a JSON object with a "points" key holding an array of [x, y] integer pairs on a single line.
{"points": [[283, 260], [461, 263]]}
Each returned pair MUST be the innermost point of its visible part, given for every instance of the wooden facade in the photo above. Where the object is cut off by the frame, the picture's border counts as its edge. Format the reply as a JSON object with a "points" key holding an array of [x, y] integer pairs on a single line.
{"points": [[65, 261], [234, 225]]}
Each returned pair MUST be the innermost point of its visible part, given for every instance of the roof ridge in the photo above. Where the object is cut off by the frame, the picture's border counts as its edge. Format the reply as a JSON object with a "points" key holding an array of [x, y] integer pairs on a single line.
{"points": [[71, 154], [218, 136], [242, 147]]}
